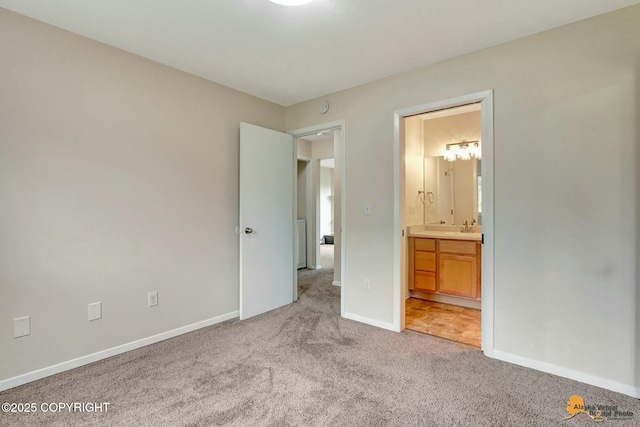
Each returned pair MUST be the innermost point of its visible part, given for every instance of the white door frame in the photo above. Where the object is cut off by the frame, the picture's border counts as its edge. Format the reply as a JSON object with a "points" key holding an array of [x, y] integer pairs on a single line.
{"points": [[399, 241], [311, 130]]}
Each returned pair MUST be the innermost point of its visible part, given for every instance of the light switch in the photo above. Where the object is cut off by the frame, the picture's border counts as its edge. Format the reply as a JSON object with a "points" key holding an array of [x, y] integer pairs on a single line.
{"points": [[367, 208], [21, 326], [95, 311], [152, 299]]}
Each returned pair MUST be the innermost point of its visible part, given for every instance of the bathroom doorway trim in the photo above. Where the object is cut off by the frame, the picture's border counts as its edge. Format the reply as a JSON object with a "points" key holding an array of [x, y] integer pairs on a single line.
{"points": [[485, 98]]}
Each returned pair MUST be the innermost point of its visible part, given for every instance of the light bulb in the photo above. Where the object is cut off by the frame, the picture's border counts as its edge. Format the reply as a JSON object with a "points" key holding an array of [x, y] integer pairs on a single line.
{"points": [[464, 154], [477, 151], [449, 155]]}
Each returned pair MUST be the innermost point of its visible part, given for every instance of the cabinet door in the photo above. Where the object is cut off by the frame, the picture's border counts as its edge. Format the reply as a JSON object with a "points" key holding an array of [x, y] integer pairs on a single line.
{"points": [[425, 281], [428, 245], [425, 261], [458, 275]]}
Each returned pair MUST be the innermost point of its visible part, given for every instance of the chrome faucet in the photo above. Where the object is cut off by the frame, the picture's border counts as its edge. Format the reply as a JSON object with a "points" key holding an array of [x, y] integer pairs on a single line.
{"points": [[466, 228]]}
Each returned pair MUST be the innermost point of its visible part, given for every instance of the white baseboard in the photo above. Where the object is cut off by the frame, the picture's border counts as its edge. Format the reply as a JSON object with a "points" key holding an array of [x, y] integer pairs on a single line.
{"points": [[446, 299], [85, 360], [336, 283], [372, 322], [629, 390]]}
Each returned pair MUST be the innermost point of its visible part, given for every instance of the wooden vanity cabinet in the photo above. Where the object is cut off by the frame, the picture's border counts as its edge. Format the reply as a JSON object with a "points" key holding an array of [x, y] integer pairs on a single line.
{"points": [[422, 264], [458, 268], [447, 267]]}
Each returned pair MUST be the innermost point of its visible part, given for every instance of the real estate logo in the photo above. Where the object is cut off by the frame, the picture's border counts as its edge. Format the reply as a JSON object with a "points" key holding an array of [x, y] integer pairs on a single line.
{"points": [[598, 413]]}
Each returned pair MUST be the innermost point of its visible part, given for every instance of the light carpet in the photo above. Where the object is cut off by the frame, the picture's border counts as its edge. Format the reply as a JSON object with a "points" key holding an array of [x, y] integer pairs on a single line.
{"points": [[304, 365]]}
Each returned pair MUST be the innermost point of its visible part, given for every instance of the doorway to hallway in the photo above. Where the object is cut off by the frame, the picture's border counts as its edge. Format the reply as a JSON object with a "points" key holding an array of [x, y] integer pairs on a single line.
{"points": [[308, 185]]}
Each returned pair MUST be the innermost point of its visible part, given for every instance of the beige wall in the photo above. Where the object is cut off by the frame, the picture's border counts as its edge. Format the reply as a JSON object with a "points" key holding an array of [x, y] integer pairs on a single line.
{"points": [[441, 131], [566, 192], [118, 176], [322, 149], [304, 149]]}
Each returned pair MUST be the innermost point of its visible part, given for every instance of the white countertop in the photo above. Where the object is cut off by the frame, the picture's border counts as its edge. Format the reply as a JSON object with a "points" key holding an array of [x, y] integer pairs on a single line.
{"points": [[451, 235], [447, 233]]}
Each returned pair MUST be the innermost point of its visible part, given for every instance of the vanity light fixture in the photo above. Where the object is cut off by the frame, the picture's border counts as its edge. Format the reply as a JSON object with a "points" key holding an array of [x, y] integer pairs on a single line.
{"points": [[449, 154], [464, 150], [464, 153]]}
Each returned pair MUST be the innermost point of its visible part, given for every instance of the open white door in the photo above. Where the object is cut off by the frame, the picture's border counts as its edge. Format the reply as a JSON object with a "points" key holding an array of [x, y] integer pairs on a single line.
{"points": [[266, 220]]}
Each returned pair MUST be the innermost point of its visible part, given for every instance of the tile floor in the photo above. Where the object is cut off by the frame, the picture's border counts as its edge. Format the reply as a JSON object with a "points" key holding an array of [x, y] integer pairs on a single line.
{"points": [[444, 320]]}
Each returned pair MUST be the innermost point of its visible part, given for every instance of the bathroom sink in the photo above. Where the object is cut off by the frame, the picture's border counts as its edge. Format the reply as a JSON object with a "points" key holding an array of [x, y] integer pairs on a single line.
{"points": [[450, 232]]}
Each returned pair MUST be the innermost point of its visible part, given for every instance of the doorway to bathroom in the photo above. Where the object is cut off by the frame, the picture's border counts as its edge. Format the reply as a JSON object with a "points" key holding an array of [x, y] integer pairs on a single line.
{"points": [[445, 218], [442, 181]]}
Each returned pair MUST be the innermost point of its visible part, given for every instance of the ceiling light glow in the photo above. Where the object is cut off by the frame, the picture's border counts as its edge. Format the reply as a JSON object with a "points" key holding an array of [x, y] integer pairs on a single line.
{"points": [[464, 150], [291, 2]]}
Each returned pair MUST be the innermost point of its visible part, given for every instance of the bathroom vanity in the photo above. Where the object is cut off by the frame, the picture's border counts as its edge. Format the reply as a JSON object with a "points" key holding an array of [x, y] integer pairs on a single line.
{"points": [[444, 263]]}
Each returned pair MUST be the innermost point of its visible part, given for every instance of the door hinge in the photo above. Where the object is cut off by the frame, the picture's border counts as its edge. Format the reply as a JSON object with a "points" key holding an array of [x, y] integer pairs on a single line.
{"points": [[483, 238]]}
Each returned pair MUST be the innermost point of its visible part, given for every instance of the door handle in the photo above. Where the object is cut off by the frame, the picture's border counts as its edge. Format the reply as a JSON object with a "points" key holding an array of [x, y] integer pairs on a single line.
{"points": [[248, 230]]}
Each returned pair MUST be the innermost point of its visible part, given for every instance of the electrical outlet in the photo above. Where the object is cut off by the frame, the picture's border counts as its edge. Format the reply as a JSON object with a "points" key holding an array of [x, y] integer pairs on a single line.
{"points": [[367, 285], [153, 298], [95, 311], [412, 209], [21, 326]]}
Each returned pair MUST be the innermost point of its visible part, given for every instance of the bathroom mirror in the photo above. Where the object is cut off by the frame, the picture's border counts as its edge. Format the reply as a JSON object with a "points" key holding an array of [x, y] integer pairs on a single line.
{"points": [[452, 191]]}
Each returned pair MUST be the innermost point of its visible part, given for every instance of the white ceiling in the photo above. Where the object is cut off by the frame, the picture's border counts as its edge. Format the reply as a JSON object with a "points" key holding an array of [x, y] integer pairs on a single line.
{"points": [[292, 54]]}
